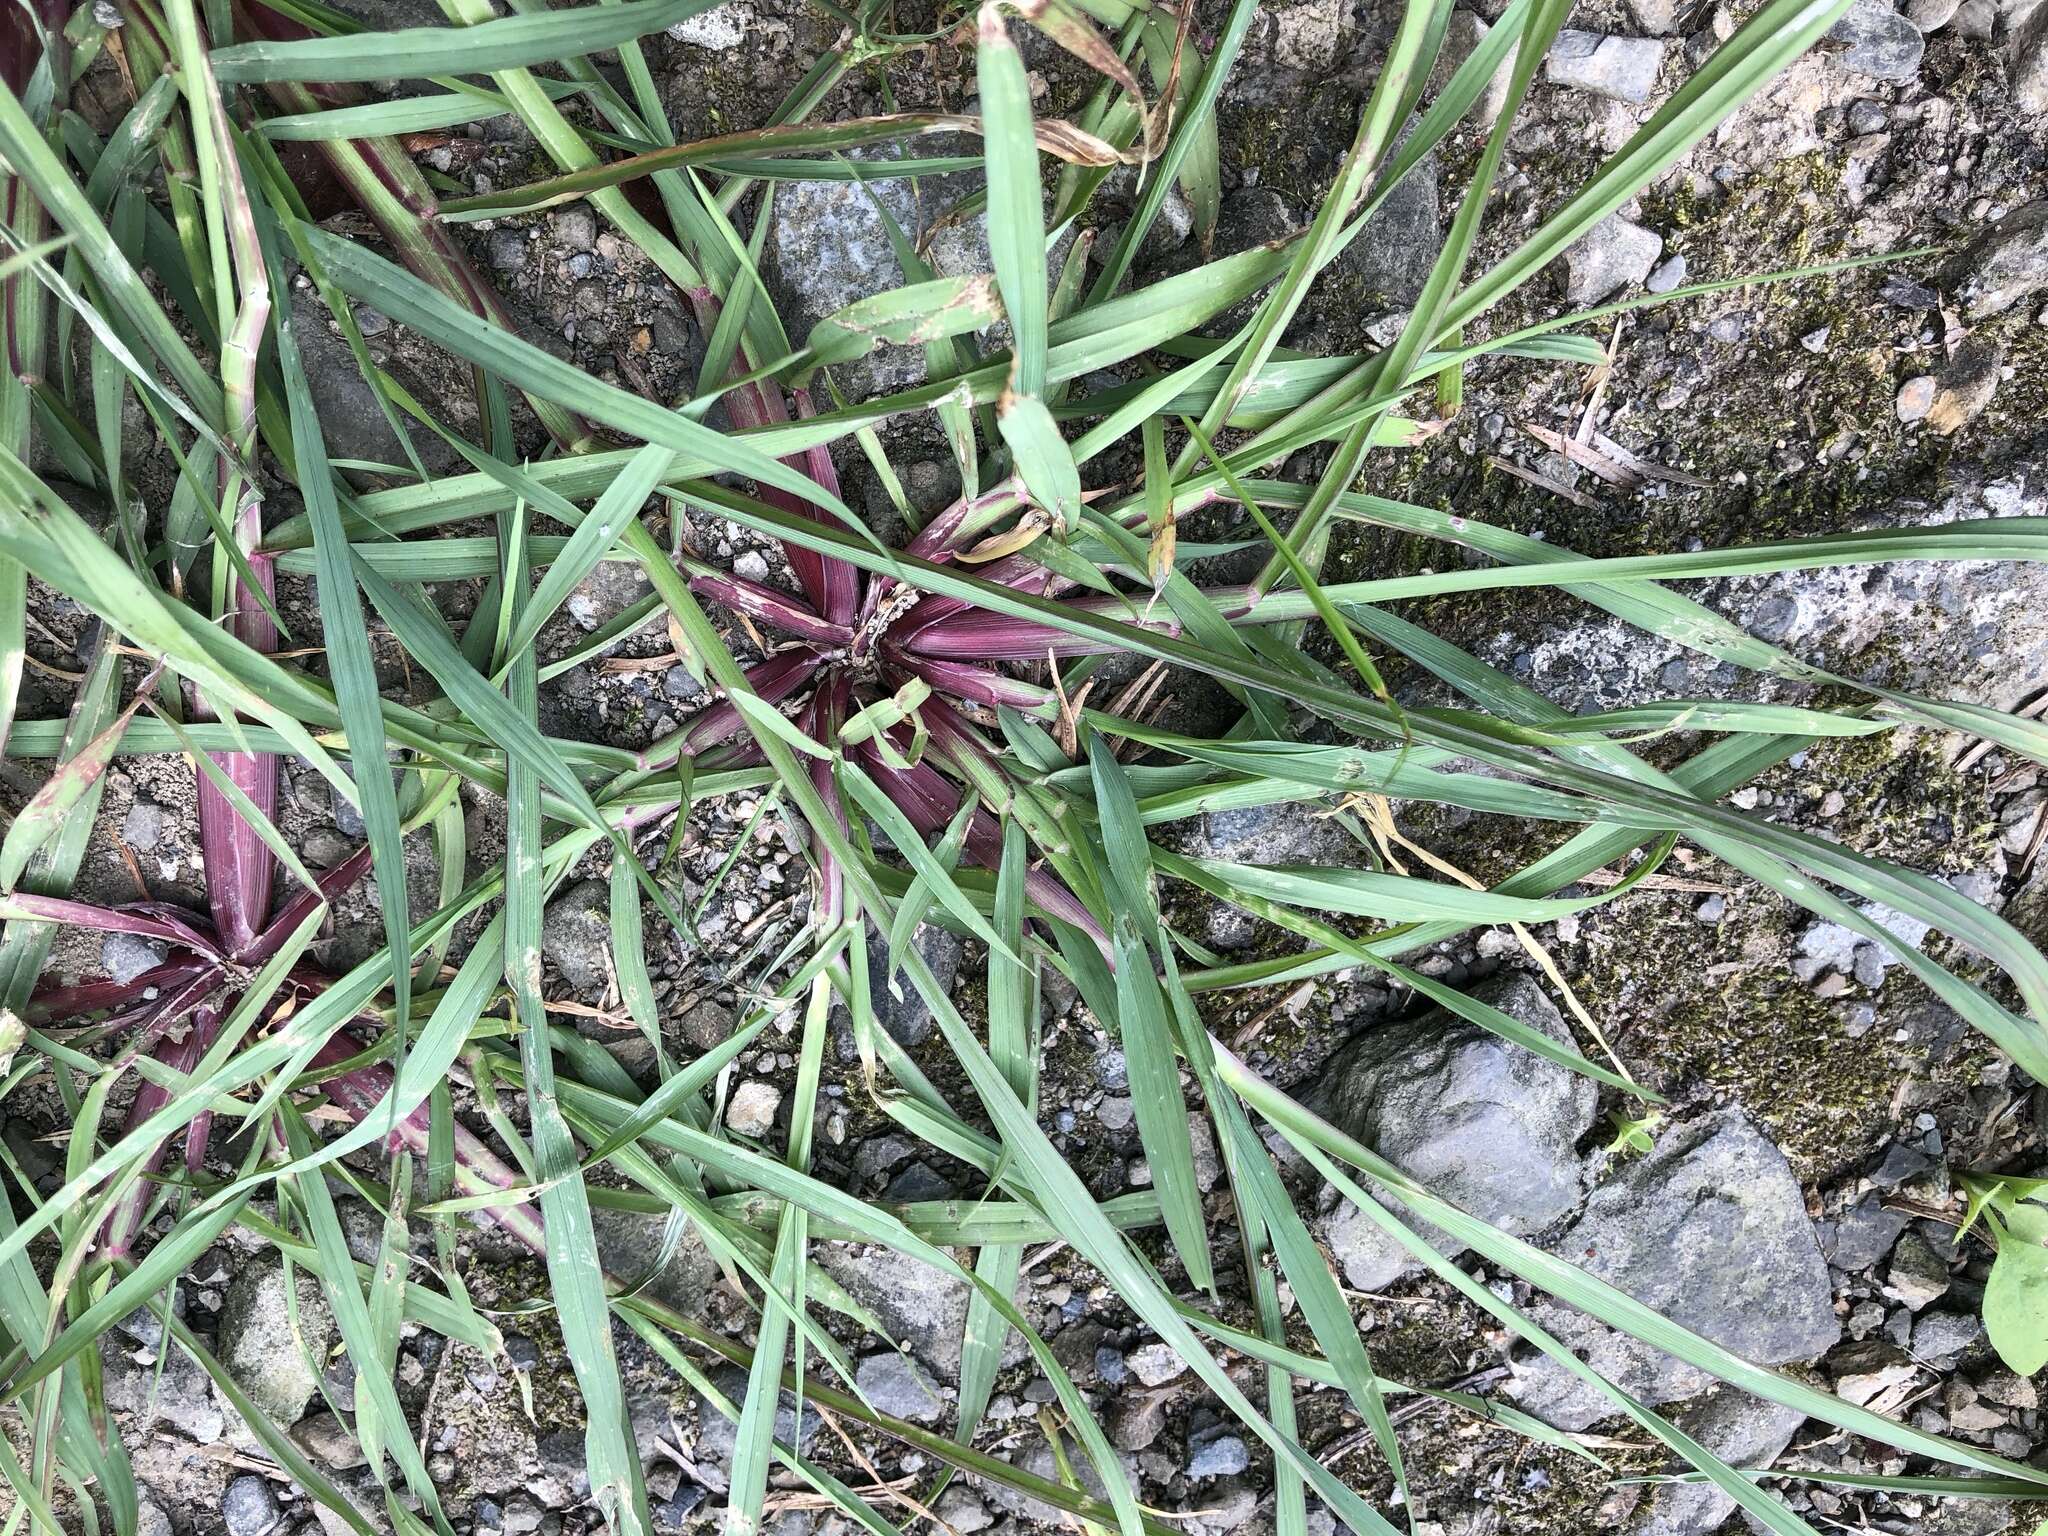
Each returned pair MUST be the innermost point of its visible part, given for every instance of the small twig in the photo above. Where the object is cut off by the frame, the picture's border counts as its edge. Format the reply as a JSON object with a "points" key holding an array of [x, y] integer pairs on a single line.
{"points": [[1543, 482]]}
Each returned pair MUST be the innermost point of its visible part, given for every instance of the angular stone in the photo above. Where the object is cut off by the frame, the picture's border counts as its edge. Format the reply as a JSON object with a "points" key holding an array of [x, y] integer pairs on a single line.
{"points": [[2027, 54], [1619, 68], [636, 1246], [127, 955], [1614, 254], [828, 247], [751, 1110], [1711, 1231], [900, 1387], [2007, 263], [1861, 1235], [894, 999], [1940, 1335], [576, 934], [1743, 1431], [1878, 42], [717, 1435], [1465, 33], [276, 1365], [923, 1310], [1918, 1276], [1391, 258], [250, 1508], [1486, 1124]]}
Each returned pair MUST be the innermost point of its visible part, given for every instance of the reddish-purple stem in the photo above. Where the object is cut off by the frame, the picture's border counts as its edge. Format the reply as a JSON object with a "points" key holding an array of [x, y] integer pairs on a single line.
{"points": [[239, 868], [124, 1222], [832, 585]]}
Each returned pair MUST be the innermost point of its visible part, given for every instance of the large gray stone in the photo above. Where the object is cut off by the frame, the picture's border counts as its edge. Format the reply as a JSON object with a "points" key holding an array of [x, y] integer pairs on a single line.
{"points": [[1619, 68], [1743, 1431], [2008, 263], [2027, 53], [277, 1364], [674, 1269], [1038, 1459], [1391, 258], [1877, 42], [1710, 1230], [828, 247], [576, 935], [895, 1385], [1611, 256], [1969, 631], [1300, 832], [899, 1008], [717, 1436], [923, 1310], [351, 420], [1486, 1124]]}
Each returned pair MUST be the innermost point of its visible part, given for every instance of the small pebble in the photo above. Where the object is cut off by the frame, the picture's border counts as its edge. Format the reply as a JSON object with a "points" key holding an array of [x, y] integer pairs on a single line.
{"points": [[751, 1111], [1915, 396], [249, 1507]]}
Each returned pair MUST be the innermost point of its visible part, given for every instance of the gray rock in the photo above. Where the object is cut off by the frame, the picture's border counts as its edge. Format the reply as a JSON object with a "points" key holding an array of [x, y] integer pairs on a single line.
{"points": [[1877, 41], [1296, 833], [1038, 1459], [1918, 1276], [1862, 1235], [828, 247], [1217, 1454], [127, 955], [1485, 1124], [145, 1325], [897, 1386], [143, 827], [1711, 1231], [576, 935], [751, 1109], [1659, 18], [707, 1025], [922, 1309], [180, 1399], [2026, 52], [1619, 68], [1464, 33], [1974, 632], [507, 249], [328, 1441], [898, 1006], [277, 1365], [1670, 272], [1139, 1420], [1743, 1431], [605, 593], [1614, 254], [721, 28], [1391, 258], [961, 1510], [717, 1435], [674, 1269], [249, 1507], [1155, 1364], [2008, 262], [150, 1520], [878, 1155], [351, 420], [919, 1181], [1943, 1335]]}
